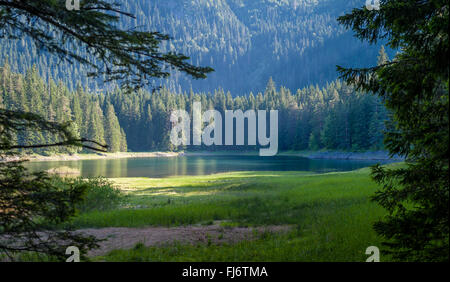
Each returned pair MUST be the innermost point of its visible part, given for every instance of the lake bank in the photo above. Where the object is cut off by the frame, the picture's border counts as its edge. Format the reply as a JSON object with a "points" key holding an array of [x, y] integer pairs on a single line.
{"points": [[331, 155], [324, 155], [342, 155], [80, 157]]}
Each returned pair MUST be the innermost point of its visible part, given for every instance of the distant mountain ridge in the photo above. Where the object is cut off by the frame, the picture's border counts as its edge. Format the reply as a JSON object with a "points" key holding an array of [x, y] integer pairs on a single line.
{"points": [[297, 42]]}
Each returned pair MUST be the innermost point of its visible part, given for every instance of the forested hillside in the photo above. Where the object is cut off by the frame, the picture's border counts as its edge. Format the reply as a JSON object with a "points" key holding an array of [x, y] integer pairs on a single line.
{"points": [[297, 42], [332, 117]]}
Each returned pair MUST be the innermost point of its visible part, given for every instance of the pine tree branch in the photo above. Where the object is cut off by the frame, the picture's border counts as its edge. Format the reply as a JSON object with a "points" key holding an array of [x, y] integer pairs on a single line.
{"points": [[64, 143]]}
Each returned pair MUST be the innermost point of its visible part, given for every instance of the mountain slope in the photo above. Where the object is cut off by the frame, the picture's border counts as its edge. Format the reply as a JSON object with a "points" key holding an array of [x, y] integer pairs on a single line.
{"points": [[297, 42]]}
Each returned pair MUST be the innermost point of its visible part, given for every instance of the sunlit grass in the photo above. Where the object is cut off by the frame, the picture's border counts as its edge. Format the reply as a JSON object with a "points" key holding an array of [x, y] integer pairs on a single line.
{"points": [[332, 215], [245, 197]]}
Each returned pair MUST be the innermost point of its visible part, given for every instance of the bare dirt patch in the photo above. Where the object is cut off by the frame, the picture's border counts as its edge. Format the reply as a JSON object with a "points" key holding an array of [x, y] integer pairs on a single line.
{"points": [[127, 238]]}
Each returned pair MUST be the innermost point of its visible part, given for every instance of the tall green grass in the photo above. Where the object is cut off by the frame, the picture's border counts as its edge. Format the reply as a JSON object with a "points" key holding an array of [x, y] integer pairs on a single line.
{"points": [[247, 198], [331, 213]]}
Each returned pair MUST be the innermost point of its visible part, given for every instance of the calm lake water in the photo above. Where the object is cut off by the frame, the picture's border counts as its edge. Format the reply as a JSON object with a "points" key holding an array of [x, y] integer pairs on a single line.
{"points": [[200, 165]]}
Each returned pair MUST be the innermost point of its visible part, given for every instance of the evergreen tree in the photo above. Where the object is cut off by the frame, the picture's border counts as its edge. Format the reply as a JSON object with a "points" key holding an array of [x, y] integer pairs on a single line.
{"points": [[415, 87], [95, 128], [113, 134]]}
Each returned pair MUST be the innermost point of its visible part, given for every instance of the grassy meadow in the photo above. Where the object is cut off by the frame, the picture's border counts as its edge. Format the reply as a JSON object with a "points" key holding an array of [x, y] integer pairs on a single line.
{"points": [[331, 215]]}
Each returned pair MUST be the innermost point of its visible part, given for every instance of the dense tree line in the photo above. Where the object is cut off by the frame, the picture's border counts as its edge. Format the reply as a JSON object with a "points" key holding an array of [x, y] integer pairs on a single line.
{"points": [[91, 115], [297, 42], [333, 117]]}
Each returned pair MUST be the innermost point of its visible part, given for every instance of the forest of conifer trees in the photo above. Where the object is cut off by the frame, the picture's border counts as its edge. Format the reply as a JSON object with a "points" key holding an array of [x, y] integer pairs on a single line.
{"points": [[335, 117], [296, 42], [246, 43]]}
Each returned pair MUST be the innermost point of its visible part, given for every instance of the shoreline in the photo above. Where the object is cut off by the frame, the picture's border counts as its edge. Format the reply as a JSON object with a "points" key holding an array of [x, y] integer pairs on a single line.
{"points": [[79, 157], [330, 155], [326, 155], [341, 155]]}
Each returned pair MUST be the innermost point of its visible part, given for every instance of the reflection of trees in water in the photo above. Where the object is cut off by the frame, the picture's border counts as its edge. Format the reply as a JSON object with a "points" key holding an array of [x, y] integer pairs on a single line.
{"points": [[106, 168], [199, 165]]}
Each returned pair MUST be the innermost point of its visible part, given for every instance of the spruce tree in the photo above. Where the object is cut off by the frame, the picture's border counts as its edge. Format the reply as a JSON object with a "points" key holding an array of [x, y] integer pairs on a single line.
{"points": [[113, 134], [415, 87]]}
